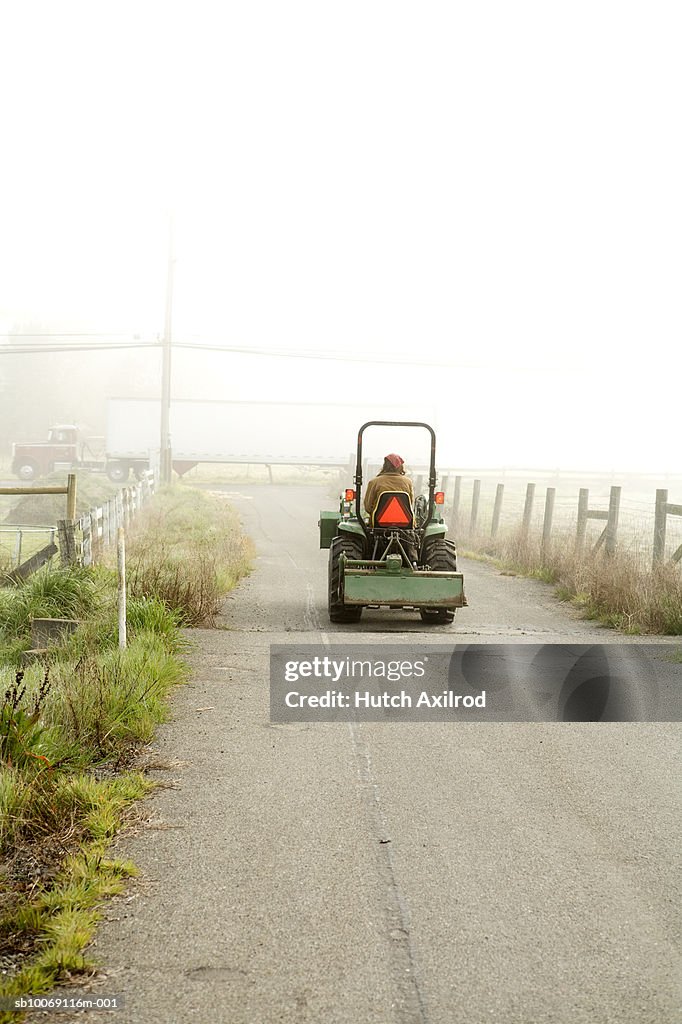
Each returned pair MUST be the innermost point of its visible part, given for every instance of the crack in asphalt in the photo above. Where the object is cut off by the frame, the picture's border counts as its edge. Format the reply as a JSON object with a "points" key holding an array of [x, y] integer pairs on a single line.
{"points": [[412, 1007]]}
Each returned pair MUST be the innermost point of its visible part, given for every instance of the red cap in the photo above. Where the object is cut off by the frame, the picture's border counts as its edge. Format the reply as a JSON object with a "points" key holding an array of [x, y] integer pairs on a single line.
{"points": [[395, 460]]}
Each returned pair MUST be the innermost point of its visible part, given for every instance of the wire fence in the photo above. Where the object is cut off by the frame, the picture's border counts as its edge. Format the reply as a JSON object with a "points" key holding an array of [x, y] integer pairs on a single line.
{"points": [[20, 542], [24, 548], [83, 541], [645, 524]]}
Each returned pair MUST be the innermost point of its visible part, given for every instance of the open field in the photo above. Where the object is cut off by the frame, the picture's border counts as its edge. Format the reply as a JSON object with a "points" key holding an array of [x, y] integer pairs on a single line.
{"points": [[636, 520]]}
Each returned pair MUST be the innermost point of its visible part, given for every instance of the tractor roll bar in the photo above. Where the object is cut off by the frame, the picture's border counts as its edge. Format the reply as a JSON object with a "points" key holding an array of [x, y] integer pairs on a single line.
{"points": [[358, 463]]}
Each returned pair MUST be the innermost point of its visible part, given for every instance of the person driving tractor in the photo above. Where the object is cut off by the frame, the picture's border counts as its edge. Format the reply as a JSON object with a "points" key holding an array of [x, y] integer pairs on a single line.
{"points": [[387, 546], [391, 477]]}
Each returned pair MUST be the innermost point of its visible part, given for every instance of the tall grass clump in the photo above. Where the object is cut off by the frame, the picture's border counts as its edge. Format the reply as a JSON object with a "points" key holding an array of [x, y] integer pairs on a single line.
{"points": [[187, 552], [620, 590], [67, 593]]}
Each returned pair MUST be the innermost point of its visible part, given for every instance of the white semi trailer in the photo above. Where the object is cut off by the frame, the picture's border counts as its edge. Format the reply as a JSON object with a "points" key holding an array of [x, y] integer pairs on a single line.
{"points": [[265, 433]]}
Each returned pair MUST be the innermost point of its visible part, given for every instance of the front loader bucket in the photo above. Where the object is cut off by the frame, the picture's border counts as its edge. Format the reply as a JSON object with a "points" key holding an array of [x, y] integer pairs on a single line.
{"points": [[379, 583]]}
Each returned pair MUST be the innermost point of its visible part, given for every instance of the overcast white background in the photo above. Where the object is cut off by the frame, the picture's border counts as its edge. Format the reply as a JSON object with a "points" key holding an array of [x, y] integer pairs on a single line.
{"points": [[491, 185]]}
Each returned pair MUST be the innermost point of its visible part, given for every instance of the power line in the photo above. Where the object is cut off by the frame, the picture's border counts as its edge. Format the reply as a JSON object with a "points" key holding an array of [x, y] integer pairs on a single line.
{"points": [[347, 357], [65, 334], [235, 349], [340, 357], [108, 346]]}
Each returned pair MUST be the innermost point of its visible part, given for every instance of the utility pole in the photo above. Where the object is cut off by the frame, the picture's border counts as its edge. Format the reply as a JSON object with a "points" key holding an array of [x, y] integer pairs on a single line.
{"points": [[165, 441]]}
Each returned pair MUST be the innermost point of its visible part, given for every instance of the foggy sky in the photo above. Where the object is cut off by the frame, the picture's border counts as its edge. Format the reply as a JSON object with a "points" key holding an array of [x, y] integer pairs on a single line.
{"points": [[491, 185]]}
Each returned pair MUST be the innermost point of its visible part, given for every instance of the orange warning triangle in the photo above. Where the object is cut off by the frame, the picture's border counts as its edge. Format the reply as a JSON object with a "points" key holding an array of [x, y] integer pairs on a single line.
{"points": [[393, 514]]}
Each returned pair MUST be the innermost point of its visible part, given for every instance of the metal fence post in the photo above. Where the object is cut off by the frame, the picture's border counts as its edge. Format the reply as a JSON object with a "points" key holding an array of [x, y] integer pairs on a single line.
{"points": [[121, 562], [17, 550]]}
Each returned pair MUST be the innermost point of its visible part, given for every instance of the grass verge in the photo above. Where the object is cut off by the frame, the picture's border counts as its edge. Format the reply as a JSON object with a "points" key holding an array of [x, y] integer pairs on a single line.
{"points": [[187, 552], [72, 724], [616, 590]]}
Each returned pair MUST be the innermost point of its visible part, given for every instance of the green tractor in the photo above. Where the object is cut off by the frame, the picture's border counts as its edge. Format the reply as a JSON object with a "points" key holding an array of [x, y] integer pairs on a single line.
{"points": [[397, 558]]}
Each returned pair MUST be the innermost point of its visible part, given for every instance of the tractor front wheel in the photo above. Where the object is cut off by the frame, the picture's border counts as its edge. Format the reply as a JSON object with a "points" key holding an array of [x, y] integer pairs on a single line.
{"points": [[338, 611]]}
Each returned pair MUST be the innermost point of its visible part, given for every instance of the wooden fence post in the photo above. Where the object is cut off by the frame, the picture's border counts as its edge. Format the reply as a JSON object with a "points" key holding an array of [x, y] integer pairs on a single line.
{"points": [[660, 526], [583, 504], [497, 509], [474, 507], [454, 514], [547, 521], [66, 530], [94, 536], [71, 496], [528, 509], [612, 521], [87, 539]]}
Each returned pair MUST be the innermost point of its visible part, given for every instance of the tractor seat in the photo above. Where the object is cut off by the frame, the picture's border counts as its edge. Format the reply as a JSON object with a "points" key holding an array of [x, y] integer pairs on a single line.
{"points": [[393, 511]]}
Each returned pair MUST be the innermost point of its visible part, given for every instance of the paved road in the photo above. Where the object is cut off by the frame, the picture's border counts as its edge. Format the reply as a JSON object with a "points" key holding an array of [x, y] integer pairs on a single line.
{"points": [[372, 874]]}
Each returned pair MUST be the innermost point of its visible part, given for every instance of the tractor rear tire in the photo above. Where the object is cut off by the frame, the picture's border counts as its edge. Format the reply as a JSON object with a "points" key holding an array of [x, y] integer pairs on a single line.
{"points": [[338, 611], [441, 555]]}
